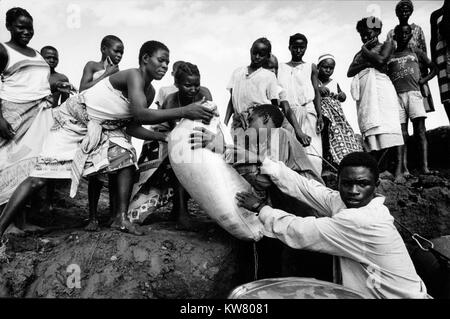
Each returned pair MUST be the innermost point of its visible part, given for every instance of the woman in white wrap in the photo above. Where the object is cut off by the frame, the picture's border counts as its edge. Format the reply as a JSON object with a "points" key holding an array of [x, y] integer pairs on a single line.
{"points": [[376, 99], [25, 101]]}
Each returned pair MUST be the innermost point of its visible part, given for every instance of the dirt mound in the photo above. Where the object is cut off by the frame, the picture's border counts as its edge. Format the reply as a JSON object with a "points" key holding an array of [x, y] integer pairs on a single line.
{"points": [[164, 263]]}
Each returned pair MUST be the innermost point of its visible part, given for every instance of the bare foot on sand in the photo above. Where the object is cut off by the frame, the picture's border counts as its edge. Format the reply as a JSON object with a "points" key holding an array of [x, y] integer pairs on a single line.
{"points": [[92, 225], [126, 227], [13, 230]]}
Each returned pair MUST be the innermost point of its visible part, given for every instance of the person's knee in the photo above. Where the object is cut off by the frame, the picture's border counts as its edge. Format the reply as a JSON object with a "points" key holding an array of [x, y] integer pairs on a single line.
{"points": [[419, 128]]}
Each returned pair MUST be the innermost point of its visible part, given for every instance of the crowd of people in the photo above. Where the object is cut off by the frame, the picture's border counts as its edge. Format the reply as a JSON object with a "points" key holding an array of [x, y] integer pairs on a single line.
{"points": [[87, 134]]}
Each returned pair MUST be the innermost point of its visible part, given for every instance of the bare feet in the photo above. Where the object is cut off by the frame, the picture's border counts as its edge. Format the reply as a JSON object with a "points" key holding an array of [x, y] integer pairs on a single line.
{"points": [[408, 175], [92, 225], [13, 230], [126, 227]]}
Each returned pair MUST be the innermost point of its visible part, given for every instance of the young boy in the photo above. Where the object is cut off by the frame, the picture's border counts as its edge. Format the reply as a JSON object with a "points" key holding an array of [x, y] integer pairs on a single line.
{"points": [[299, 79], [357, 227], [404, 72], [60, 88], [78, 146], [251, 85], [59, 83]]}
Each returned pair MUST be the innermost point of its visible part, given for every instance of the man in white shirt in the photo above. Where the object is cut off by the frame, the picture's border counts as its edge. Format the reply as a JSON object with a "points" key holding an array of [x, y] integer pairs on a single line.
{"points": [[355, 226]]}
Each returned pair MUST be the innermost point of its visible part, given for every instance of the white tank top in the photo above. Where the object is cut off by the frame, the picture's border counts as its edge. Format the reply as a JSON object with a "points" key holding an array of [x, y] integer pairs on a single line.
{"points": [[25, 79], [98, 74]]}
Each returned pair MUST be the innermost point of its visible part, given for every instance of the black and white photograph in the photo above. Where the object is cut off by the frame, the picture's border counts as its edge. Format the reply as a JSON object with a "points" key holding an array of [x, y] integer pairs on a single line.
{"points": [[221, 154]]}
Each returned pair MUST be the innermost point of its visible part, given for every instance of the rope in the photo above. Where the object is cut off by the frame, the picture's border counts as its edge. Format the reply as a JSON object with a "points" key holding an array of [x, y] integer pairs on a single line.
{"points": [[416, 237], [382, 156], [255, 260], [323, 159]]}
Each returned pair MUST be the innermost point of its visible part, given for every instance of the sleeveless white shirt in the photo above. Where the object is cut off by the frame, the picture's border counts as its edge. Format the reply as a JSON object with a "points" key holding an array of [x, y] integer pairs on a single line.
{"points": [[25, 79]]}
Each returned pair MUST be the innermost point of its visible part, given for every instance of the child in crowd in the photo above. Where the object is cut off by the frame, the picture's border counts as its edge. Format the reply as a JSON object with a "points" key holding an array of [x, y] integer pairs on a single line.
{"points": [[376, 100], [78, 146], [404, 71], [251, 85], [299, 80], [111, 48], [338, 136], [403, 11], [59, 83], [61, 89], [164, 91]]}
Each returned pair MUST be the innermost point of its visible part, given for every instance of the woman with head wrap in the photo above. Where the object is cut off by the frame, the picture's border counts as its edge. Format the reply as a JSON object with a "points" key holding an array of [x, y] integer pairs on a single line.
{"points": [[338, 137], [404, 10]]}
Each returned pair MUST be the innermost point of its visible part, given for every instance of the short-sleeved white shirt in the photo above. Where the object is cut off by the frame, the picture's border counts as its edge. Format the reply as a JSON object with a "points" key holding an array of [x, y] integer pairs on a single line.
{"points": [[248, 90], [163, 93]]}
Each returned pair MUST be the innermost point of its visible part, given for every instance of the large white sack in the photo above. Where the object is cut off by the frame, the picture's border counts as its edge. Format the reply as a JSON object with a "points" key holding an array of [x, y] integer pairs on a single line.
{"points": [[211, 182]]}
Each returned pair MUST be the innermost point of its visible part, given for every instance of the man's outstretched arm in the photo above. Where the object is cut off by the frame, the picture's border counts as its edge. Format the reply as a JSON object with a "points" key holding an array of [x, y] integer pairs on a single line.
{"points": [[311, 192]]}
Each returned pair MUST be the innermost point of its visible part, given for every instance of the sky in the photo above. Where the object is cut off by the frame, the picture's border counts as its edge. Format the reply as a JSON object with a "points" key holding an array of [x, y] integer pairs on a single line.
{"points": [[216, 35]]}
